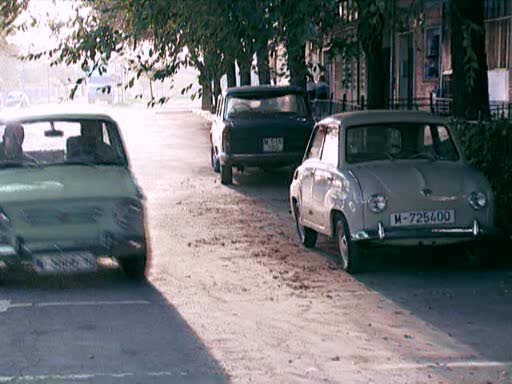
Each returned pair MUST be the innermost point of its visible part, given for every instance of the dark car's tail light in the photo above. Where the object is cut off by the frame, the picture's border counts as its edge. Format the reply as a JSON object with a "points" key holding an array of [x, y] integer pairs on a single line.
{"points": [[226, 138], [129, 214]]}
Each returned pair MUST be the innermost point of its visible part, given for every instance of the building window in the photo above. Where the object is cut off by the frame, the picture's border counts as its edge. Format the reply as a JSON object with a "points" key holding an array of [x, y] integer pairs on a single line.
{"points": [[497, 8], [432, 53], [347, 10], [497, 43]]}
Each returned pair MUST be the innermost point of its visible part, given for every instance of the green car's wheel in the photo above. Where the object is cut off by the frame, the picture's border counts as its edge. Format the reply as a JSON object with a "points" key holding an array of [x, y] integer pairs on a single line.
{"points": [[134, 267]]}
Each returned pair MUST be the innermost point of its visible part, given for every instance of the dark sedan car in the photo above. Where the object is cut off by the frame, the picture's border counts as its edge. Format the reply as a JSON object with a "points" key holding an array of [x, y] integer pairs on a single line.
{"points": [[259, 126]]}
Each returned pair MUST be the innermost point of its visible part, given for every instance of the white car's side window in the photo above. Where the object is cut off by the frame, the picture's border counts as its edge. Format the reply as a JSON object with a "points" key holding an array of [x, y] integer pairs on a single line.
{"points": [[315, 147], [331, 146]]}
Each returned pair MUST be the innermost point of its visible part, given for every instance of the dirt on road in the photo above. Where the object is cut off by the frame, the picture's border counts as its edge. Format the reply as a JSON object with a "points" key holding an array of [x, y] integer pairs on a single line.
{"points": [[271, 311]]}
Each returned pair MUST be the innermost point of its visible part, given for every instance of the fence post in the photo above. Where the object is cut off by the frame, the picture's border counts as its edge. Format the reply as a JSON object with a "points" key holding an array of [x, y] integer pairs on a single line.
{"points": [[362, 102], [344, 103], [330, 104], [432, 102]]}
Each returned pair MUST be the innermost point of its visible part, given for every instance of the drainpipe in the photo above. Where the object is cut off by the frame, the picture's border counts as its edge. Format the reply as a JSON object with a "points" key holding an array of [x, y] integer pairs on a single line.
{"points": [[392, 57]]}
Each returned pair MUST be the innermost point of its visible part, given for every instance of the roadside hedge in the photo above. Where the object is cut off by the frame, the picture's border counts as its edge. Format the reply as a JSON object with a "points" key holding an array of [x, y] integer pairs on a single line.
{"points": [[488, 147]]}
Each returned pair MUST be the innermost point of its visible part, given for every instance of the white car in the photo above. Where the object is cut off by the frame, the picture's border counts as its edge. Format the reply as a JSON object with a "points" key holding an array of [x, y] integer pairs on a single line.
{"points": [[388, 177]]}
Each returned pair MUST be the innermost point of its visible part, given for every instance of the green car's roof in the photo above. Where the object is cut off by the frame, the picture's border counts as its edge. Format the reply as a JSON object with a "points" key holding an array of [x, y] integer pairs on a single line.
{"points": [[57, 117]]}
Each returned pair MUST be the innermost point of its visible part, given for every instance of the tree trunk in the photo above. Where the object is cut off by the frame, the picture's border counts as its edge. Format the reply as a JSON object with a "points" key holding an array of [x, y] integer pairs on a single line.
{"points": [[375, 80], [231, 74], [206, 98], [216, 89], [470, 84], [297, 64], [263, 66], [244, 64]]}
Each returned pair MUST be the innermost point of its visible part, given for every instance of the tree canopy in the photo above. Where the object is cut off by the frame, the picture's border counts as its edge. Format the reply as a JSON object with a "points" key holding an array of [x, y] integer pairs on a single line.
{"points": [[157, 37]]}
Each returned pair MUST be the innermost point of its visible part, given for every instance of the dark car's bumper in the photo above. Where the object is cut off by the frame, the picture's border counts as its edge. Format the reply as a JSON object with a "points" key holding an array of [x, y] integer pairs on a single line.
{"points": [[257, 159], [426, 235]]}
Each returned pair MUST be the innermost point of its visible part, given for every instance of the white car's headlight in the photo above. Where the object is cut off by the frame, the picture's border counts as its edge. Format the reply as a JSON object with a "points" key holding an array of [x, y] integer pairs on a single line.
{"points": [[477, 200], [377, 203]]}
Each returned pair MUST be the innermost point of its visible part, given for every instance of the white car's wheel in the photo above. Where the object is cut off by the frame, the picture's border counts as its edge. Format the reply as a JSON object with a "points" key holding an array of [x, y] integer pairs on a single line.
{"points": [[307, 236], [215, 161], [350, 253]]}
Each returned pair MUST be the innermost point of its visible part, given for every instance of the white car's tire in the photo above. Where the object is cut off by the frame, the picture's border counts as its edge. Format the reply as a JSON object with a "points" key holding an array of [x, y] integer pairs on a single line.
{"points": [[307, 236], [350, 254], [215, 161]]}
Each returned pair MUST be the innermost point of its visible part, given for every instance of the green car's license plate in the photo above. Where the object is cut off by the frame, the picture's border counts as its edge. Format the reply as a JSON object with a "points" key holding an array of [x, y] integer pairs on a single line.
{"points": [[65, 262]]}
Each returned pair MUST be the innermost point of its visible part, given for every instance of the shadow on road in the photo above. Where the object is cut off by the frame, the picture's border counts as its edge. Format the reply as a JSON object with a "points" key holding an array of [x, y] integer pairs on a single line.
{"points": [[101, 325], [472, 306]]}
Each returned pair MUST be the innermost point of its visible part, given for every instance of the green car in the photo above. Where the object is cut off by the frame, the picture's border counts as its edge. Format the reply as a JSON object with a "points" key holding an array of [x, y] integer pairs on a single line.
{"points": [[67, 195]]}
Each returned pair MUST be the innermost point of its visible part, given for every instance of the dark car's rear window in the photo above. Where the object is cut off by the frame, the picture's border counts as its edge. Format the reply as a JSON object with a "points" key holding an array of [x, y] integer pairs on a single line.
{"points": [[269, 105]]}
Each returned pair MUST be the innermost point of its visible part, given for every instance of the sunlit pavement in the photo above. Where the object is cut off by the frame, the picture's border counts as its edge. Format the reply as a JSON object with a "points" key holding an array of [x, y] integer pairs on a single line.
{"points": [[210, 309]]}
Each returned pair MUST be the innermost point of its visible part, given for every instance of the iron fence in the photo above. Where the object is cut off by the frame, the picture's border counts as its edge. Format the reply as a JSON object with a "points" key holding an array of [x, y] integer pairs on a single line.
{"points": [[437, 105]]}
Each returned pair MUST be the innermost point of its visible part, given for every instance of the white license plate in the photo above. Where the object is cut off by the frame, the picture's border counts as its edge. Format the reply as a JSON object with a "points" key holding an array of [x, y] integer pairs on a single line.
{"points": [[273, 144], [423, 218], [65, 262]]}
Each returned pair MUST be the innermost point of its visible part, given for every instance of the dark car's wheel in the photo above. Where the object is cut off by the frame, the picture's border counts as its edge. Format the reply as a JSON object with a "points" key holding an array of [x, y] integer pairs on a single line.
{"points": [[226, 174], [350, 254], [215, 161], [307, 236], [134, 267]]}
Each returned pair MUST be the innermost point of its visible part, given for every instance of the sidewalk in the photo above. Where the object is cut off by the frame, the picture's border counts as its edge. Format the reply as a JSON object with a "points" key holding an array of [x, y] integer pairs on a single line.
{"points": [[207, 115]]}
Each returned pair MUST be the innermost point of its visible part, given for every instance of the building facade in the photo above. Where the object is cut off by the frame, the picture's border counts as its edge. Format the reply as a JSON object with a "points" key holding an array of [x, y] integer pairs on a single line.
{"points": [[417, 57]]}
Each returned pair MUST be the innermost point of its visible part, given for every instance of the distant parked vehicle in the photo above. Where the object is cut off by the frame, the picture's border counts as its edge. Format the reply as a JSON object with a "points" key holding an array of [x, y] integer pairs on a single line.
{"points": [[16, 100], [389, 178], [100, 88], [261, 126]]}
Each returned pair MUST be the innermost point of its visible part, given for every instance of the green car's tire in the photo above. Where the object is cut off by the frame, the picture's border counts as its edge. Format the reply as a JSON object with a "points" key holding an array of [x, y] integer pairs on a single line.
{"points": [[134, 267]]}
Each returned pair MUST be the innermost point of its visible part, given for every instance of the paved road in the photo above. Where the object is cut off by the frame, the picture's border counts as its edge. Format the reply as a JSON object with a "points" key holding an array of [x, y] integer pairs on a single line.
{"points": [[232, 297]]}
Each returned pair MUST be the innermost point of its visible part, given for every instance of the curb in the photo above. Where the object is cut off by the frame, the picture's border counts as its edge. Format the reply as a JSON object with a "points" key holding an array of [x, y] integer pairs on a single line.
{"points": [[204, 114]]}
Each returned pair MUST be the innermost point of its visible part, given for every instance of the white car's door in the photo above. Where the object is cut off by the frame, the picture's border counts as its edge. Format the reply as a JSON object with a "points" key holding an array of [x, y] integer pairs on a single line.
{"points": [[218, 124], [324, 179], [307, 175]]}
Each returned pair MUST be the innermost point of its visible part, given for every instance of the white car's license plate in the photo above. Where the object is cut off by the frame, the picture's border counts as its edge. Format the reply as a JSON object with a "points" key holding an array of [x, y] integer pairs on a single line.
{"points": [[65, 262], [273, 144], [423, 217]]}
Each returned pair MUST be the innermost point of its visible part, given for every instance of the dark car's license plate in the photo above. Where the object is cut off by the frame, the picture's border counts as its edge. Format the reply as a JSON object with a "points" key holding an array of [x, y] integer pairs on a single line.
{"points": [[273, 144]]}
